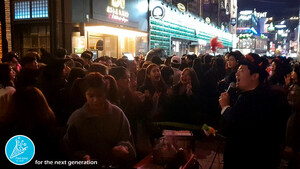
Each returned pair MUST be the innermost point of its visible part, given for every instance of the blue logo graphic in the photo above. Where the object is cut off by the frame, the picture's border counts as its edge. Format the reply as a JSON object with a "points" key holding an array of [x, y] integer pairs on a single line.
{"points": [[19, 150]]}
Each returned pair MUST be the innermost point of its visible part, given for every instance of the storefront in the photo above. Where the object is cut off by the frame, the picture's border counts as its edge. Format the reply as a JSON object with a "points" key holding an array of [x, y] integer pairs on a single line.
{"points": [[180, 32], [30, 25], [116, 28]]}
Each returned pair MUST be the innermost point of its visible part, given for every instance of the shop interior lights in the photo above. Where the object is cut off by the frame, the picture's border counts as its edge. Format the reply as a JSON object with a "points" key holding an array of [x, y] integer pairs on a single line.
{"points": [[114, 31]]}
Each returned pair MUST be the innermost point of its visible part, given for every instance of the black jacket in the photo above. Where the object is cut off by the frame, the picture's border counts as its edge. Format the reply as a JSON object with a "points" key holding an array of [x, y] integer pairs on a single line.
{"points": [[253, 131]]}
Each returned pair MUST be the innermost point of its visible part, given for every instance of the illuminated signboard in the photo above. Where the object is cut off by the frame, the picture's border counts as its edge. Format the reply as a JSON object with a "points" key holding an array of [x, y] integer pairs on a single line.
{"points": [[233, 21], [271, 27], [245, 17], [118, 3], [116, 11], [207, 20], [260, 14], [158, 12], [181, 7]]}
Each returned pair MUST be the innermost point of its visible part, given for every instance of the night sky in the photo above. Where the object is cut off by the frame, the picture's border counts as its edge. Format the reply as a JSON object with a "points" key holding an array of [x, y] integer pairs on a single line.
{"points": [[277, 8]]}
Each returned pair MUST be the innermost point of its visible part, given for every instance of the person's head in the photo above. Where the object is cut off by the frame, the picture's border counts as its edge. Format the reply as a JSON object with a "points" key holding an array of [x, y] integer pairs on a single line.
{"points": [[207, 59], [61, 53], [176, 62], [12, 59], [233, 60], [7, 75], [295, 75], [251, 72], [159, 52], [281, 66], [87, 56], [146, 64], [56, 69], [153, 73], [157, 60], [131, 66], [74, 56], [29, 108], [137, 59], [104, 60], [98, 67], [189, 76], [218, 64], [95, 91], [190, 58], [79, 62], [75, 73], [121, 62], [167, 74], [141, 64], [167, 62], [29, 61], [122, 76], [70, 63]]}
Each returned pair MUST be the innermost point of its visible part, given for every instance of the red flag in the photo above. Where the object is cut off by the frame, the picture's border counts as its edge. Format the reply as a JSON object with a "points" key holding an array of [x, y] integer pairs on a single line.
{"points": [[215, 44]]}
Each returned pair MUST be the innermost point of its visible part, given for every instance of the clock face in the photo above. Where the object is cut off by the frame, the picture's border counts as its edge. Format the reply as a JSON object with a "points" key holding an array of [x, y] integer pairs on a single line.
{"points": [[181, 7], [158, 12], [207, 20]]}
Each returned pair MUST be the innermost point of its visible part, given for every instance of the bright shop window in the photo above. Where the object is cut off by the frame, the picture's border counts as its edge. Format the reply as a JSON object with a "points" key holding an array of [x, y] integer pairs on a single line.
{"points": [[31, 9]]}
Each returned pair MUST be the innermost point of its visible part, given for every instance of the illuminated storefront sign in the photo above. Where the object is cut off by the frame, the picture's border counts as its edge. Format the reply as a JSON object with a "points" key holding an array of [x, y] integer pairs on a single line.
{"points": [[245, 36], [158, 12], [294, 18], [118, 3], [233, 21], [271, 27], [260, 14], [177, 24], [116, 11], [245, 17], [207, 20], [181, 7]]}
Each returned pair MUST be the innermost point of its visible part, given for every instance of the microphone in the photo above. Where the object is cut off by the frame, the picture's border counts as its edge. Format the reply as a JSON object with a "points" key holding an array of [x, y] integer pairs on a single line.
{"points": [[231, 88]]}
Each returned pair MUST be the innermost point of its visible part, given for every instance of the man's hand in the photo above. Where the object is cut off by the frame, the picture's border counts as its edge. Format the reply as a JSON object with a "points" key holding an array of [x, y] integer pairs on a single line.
{"points": [[120, 152], [287, 79], [87, 158], [224, 99], [189, 89]]}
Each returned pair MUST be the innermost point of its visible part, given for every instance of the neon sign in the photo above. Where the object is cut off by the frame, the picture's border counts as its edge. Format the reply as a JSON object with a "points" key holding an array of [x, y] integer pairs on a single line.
{"points": [[118, 3], [181, 7], [260, 14], [116, 11]]}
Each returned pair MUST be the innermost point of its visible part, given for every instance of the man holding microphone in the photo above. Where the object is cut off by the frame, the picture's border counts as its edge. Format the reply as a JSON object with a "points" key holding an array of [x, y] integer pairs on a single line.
{"points": [[251, 124]]}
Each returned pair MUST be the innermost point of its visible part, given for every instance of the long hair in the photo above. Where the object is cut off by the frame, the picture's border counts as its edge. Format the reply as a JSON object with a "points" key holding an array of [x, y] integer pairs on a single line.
{"points": [[112, 89], [140, 77], [4, 75], [148, 83], [29, 109], [296, 69], [95, 80], [194, 78]]}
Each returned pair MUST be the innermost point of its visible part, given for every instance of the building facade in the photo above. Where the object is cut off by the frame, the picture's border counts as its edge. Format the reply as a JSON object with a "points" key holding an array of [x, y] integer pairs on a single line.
{"points": [[5, 27], [180, 32], [110, 27], [250, 36]]}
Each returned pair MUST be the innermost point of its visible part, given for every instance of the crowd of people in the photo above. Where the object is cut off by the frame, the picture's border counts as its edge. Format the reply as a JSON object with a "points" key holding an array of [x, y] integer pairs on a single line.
{"points": [[76, 108]]}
